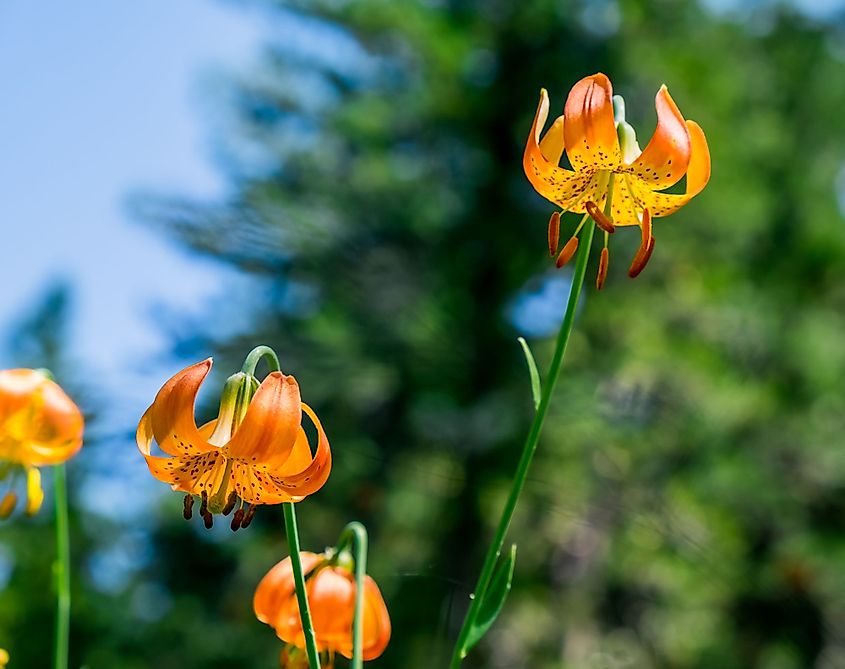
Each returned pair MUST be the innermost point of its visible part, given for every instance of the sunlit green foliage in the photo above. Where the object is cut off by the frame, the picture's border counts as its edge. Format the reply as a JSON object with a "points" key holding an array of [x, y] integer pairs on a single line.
{"points": [[686, 506]]}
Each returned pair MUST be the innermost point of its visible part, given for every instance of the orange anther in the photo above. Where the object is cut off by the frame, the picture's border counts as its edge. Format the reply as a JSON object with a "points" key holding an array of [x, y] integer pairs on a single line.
{"points": [[602, 275], [189, 505], [230, 504], [248, 516], [554, 233], [599, 217], [641, 259], [568, 251], [237, 520], [646, 227]]}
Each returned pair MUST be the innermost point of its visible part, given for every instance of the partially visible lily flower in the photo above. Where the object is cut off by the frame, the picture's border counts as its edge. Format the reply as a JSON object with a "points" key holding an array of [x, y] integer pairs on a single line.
{"points": [[4, 658], [330, 586], [612, 180], [255, 452], [39, 425]]}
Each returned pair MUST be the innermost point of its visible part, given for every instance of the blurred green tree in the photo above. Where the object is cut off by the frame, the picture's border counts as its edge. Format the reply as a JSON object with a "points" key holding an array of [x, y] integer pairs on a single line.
{"points": [[686, 506]]}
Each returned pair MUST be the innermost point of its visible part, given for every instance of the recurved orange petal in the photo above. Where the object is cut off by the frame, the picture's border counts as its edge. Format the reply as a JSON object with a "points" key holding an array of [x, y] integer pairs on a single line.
{"points": [[300, 476], [589, 132], [331, 595], [698, 174], [269, 429], [540, 160], [376, 621], [624, 203], [271, 601], [170, 418], [202, 472], [666, 158], [551, 146]]}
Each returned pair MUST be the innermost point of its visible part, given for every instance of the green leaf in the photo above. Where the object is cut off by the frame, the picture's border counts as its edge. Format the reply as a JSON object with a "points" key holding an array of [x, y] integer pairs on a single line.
{"points": [[493, 600], [532, 371]]}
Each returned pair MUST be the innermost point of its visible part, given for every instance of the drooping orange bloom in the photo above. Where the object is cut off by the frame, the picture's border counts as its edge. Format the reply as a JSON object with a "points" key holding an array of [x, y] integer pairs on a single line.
{"points": [[255, 452], [330, 587], [612, 181], [39, 425]]}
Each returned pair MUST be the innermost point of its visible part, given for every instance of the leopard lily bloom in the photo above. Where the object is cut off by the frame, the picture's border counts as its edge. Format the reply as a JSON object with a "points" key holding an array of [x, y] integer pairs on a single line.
{"points": [[612, 181], [39, 425], [330, 584], [255, 452]]}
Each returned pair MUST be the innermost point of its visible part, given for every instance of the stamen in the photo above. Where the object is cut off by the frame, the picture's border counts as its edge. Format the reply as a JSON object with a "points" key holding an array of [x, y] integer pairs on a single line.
{"points": [[641, 259], [187, 510], [250, 514], [602, 275], [568, 251], [599, 217], [237, 519], [8, 504], [203, 503], [208, 519], [554, 233], [230, 503], [34, 491], [646, 227]]}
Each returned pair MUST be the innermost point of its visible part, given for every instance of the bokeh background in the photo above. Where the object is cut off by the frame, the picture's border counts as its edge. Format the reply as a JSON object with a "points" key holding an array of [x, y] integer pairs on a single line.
{"points": [[341, 180]]}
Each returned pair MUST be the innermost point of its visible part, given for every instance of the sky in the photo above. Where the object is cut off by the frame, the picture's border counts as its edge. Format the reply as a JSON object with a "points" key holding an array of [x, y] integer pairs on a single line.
{"points": [[103, 99]]}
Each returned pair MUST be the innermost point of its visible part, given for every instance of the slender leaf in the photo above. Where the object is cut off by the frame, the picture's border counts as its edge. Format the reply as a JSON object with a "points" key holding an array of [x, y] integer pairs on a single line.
{"points": [[493, 599], [532, 371]]}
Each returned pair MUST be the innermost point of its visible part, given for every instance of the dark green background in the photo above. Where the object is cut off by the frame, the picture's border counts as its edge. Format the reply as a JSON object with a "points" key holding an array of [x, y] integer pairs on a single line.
{"points": [[686, 506]]}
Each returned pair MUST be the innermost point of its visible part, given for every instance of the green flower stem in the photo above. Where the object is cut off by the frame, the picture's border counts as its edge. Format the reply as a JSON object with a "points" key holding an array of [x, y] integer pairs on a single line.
{"points": [[356, 534], [62, 569], [586, 242], [255, 356], [299, 583]]}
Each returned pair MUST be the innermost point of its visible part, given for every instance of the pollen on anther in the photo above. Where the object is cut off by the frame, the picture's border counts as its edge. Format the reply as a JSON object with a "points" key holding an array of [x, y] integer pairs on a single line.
{"points": [[602, 275], [248, 516], [554, 232], [237, 520], [567, 252], [187, 511], [599, 217], [230, 504]]}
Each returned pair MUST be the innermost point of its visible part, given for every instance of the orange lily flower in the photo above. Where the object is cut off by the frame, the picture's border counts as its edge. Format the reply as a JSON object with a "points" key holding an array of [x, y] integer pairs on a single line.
{"points": [[39, 425], [4, 658], [330, 586], [612, 181], [255, 452]]}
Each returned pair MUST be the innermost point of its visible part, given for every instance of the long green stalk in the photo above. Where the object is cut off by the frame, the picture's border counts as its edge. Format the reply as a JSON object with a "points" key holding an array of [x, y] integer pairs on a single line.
{"points": [[356, 534], [62, 569], [493, 553], [299, 584]]}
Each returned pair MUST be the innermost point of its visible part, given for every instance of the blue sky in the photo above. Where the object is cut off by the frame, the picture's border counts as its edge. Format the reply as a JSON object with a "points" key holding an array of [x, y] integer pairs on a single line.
{"points": [[100, 99]]}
